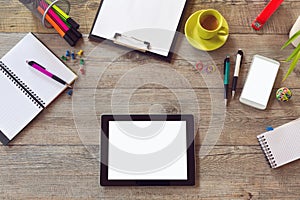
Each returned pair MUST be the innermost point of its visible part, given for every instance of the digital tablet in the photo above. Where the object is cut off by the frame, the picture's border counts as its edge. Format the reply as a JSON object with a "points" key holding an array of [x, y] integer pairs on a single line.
{"points": [[147, 150]]}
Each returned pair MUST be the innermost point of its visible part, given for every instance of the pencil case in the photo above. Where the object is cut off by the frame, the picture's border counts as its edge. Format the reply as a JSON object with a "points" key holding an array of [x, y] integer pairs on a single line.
{"points": [[55, 14]]}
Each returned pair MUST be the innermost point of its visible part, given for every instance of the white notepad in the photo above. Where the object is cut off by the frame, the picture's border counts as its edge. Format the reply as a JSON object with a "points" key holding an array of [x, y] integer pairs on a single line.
{"points": [[152, 21], [27, 91], [281, 145], [259, 82]]}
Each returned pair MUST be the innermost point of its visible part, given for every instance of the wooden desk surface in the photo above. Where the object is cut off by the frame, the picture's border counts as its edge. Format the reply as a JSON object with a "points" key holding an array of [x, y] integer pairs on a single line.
{"points": [[48, 160]]}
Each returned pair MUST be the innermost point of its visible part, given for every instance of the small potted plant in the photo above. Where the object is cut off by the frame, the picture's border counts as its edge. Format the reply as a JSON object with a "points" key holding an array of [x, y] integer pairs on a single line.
{"points": [[295, 41]]}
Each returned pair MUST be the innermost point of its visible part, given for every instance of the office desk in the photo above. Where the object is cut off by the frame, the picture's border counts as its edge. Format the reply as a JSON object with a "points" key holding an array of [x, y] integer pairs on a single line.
{"points": [[48, 160]]}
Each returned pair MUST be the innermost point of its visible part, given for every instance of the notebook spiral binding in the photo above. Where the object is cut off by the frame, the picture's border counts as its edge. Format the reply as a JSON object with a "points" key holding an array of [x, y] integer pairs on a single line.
{"points": [[22, 86], [267, 151]]}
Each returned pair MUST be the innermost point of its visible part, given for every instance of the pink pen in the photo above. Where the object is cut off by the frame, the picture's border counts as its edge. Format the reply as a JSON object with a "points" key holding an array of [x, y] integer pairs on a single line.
{"points": [[47, 73]]}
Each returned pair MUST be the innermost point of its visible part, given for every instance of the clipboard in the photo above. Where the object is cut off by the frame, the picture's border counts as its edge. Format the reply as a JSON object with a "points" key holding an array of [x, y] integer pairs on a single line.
{"points": [[143, 25]]}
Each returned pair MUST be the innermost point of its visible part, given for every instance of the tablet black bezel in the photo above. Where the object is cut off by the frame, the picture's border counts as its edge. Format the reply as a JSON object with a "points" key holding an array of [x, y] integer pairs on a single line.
{"points": [[190, 151]]}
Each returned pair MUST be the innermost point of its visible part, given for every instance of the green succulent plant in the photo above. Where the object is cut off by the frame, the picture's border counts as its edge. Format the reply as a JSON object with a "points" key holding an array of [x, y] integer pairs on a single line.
{"points": [[295, 55]]}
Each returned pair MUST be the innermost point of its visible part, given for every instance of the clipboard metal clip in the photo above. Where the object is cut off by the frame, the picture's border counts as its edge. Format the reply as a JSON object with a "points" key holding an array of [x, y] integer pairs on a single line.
{"points": [[131, 42]]}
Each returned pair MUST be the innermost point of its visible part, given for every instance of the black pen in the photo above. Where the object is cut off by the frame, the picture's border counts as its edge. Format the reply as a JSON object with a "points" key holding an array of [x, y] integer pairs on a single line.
{"points": [[238, 63], [226, 78]]}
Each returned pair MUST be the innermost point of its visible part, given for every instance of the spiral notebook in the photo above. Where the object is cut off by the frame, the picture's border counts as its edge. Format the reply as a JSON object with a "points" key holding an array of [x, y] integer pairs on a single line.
{"points": [[281, 145], [25, 92]]}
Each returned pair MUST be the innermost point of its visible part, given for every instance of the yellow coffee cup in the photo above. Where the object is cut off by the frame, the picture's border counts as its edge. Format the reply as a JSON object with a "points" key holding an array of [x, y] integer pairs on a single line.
{"points": [[210, 23]]}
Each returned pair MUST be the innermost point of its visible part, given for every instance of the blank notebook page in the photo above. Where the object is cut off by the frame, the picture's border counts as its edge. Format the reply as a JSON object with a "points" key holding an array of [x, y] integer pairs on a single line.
{"points": [[17, 110], [284, 142]]}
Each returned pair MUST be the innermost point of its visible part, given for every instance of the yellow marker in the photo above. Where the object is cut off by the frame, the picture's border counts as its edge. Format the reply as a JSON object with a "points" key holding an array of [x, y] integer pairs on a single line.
{"points": [[63, 15]]}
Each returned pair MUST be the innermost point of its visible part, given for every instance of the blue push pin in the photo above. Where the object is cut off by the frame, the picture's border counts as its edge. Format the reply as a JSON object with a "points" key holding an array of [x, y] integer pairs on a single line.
{"points": [[70, 92], [68, 53], [73, 55], [269, 128]]}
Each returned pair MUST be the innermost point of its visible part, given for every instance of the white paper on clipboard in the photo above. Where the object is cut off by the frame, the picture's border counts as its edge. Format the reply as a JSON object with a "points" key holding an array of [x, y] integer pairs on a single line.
{"points": [[153, 21]]}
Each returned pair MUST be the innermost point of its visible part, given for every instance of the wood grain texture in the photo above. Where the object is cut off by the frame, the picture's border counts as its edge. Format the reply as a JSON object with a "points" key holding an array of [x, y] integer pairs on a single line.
{"points": [[240, 13], [56, 156]]}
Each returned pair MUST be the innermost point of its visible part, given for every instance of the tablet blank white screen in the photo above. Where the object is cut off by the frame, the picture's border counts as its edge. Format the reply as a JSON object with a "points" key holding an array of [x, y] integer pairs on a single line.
{"points": [[147, 150]]}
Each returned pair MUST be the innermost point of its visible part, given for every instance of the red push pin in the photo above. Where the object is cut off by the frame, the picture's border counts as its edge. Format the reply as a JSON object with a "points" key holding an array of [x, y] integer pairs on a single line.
{"points": [[82, 70]]}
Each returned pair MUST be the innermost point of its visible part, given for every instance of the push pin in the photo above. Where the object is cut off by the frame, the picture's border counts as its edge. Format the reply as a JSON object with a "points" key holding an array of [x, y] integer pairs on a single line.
{"points": [[80, 53], [70, 92], [81, 62], [269, 128], [64, 58], [68, 53], [73, 55], [82, 71]]}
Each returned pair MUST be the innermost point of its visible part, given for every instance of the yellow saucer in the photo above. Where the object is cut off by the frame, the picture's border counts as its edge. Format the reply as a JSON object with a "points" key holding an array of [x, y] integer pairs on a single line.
{"points": [[199, 43]]}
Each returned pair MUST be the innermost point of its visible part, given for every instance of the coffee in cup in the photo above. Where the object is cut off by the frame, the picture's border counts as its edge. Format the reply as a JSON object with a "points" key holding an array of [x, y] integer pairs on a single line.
{"points": [[210, 23]]}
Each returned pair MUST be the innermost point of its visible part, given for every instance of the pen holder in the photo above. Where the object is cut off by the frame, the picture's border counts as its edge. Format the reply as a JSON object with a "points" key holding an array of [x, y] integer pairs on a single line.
{"points": [[35, 7], [55, 13]]}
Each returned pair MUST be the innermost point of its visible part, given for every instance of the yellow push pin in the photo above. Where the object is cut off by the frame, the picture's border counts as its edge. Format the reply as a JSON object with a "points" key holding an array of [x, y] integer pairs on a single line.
{"points": [[80, 53]]}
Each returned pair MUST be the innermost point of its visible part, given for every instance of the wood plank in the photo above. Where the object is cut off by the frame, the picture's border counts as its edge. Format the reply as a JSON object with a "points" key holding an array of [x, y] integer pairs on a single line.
{"points": [[61, 172], [117, 61], [239, 14]]}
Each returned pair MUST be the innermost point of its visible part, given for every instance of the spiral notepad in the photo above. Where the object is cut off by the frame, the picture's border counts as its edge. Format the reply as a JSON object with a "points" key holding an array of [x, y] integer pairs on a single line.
{"points": [[281, 145], [27, 92]]}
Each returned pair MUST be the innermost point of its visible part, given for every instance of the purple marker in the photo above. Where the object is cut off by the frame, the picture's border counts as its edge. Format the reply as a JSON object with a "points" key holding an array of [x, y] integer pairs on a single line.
{"points": [[47, 73]]}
